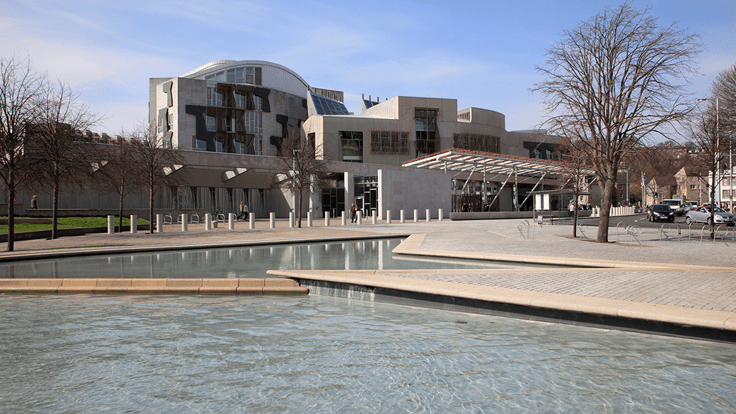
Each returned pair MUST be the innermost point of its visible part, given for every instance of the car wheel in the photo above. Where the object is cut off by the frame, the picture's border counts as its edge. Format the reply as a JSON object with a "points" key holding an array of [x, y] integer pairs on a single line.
{"points": [[709, 221], [688, 221]]}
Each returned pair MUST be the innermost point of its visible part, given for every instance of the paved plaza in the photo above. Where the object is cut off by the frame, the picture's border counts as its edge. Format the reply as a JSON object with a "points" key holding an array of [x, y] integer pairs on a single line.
{"points": [[654, 275]]}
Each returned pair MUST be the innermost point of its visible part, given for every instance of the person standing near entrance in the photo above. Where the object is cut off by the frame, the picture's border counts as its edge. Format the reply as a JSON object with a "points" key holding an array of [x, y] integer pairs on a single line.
{"points": [[34, 203], [243, 211], [353, 213]]}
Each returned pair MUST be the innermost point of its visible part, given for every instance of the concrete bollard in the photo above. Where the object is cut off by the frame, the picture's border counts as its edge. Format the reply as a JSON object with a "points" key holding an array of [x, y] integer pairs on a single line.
{"points": [[231, 221], [291, 219], [388, 216], [374, 216], [252, 220], [327, 219], [403, 219], [184, 224], [344, 218], [429, 215], [272, 217], [440, 215], [208, 221], [159, 223], [110, 224], [416, 215], [360, 218], [309, 219], [133, 224]]}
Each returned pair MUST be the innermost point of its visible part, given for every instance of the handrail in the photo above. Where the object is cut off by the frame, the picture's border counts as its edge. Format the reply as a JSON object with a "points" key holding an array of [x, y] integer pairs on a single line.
{"points": [[167, 217], [633, 231], [521, 228], [580, 227], [618, 224], [195, 218]]}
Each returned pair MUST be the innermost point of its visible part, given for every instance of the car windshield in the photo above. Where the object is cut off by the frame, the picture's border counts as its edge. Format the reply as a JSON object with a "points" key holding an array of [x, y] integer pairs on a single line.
{"points": [[662, 207]]}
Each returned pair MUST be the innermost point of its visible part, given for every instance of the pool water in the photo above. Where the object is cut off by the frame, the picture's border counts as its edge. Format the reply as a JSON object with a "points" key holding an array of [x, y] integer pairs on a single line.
{"points": [[240, 262], [271, 354]]}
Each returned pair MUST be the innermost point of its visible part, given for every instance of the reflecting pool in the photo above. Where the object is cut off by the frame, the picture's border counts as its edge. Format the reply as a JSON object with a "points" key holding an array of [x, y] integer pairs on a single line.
{"points": [[239, 262], [96, 353]]}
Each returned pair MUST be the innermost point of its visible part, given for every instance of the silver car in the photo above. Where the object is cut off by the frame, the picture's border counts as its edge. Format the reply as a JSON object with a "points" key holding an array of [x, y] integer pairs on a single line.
{"points": [[702, 215]]}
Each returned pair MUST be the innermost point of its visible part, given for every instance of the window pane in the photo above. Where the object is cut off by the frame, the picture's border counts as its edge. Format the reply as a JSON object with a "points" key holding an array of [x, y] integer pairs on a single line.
{"points": [[239, 77], [231, 75], [220, 76]]}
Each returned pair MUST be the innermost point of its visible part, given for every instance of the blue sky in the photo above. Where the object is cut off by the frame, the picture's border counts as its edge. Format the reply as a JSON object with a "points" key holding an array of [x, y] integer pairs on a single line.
{"points": [[482, 53]]}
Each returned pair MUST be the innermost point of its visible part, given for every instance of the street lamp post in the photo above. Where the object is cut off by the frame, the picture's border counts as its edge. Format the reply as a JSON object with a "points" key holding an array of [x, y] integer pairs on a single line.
{"points": [[718, 162]]}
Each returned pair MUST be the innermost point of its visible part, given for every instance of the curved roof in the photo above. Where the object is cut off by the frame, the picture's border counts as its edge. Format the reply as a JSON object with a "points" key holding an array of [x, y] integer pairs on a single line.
{"points": [[217, 65]]}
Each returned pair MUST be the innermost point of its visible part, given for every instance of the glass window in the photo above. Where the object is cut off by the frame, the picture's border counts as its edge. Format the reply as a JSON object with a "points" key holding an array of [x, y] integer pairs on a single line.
{"points": [[209, 96], [218, 145], [220, 77], [211, 123], [240, 100], [231, 75], [249, 71], [198, 144], [258, 103], [209, 77], [239, 77]]}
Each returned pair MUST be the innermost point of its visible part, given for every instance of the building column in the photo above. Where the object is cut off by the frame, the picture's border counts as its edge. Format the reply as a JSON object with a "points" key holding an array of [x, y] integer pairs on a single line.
{"points": [[349, 182]]}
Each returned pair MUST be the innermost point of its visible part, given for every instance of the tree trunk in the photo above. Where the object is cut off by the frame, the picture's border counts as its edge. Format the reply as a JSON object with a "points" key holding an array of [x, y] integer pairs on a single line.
{"points": [[11, 211], [150, 209], [605, 218], [299, 210], [120, 222], [55, 211], [575, 216]]}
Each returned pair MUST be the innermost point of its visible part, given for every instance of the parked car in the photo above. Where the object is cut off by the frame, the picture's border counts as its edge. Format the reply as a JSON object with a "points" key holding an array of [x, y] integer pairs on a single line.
{"points": [[676, 206], [660, 212], [702, 215], [690, 205]]}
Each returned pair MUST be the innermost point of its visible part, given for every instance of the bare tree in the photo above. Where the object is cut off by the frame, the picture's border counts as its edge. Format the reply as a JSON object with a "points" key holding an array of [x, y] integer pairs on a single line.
{"points": [[299, 169], [724, 89], [611, 82], [56, 151], [574, 175], [704, 130], [154, 163], [20, 86], [112, 170]]}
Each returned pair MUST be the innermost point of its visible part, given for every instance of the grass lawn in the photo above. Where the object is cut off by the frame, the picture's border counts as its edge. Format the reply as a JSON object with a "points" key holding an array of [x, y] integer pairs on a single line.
{"points": [[67, 223]]}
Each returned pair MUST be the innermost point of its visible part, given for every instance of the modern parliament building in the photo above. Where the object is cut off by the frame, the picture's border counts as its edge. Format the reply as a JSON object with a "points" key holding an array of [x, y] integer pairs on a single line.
{"points": [[228, 118]]}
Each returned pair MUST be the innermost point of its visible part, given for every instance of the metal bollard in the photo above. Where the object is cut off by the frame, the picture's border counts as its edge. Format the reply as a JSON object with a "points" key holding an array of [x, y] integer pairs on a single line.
{"points": [[133, 224], [208, 222], [184, 224], [110, 224], [416, 215], [388, 216], [429, 215], [327, 219], [252, 220], [374, 216], [403, 219], [159, 223], [309, 219], [360, 218], [272, 217], [291, 219], [440, 215], [231, 221], [344, 218]]}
